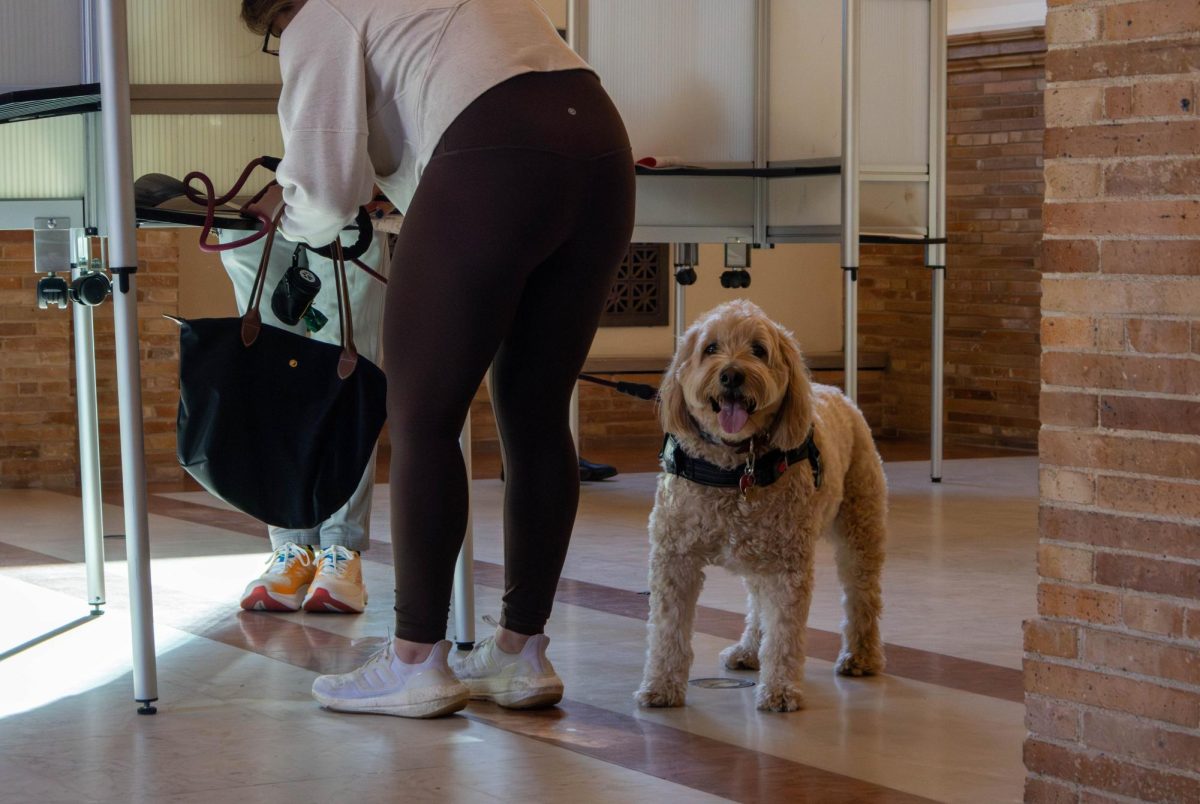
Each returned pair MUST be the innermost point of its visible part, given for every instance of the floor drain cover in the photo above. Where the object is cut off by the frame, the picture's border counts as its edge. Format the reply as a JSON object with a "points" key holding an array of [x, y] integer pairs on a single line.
{"points": [[721, 683]]}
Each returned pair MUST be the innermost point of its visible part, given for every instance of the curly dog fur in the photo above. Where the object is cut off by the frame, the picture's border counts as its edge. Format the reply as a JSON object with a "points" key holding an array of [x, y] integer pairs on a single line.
{"points": [[738, 381]]}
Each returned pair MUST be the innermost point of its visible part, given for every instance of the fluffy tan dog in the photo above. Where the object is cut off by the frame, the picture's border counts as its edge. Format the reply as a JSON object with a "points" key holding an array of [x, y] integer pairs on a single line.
{"points": [[738, 387]]}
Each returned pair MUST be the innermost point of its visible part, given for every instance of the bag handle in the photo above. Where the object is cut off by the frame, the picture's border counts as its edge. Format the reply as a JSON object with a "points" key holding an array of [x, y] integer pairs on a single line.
{"points": [[252, 319], [210, 201], [349, 359]]}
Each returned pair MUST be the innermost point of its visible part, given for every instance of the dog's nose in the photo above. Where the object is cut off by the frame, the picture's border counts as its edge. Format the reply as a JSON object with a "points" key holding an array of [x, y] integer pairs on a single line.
{"points": [[732, 378]]}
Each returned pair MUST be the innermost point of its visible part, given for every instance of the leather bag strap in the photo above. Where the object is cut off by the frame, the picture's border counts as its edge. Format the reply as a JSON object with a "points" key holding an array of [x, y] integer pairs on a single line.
{"points": [[252, 319], [349, 359]]}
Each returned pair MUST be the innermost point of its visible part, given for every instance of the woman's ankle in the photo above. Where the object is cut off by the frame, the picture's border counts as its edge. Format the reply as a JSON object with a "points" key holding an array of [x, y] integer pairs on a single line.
{"points": [[411, 652], [510, 641]]}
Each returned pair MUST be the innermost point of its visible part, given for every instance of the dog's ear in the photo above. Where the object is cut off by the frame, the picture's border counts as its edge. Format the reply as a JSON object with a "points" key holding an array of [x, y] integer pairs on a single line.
{"points": [[795, 414], [672, 408]]}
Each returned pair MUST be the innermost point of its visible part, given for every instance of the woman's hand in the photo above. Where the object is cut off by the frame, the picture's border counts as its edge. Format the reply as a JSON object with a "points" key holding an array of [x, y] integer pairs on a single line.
{"points": [[267, 205]]}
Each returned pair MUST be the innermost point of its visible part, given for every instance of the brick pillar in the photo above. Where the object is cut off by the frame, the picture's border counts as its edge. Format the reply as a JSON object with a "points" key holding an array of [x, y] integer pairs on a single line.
{"points": [[1112, 667]]}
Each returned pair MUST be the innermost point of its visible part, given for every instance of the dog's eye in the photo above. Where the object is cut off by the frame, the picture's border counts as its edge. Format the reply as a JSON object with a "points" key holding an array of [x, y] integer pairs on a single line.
{"points": [[758, 350], [711, 349]]}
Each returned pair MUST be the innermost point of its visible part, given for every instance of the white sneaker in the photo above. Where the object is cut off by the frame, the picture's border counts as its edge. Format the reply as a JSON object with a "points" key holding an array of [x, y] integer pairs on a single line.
{"points": [[524, 680], [387, 686]]}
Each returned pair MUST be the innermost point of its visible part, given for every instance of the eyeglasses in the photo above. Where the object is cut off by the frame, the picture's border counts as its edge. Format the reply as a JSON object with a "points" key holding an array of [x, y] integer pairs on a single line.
{"points": [[266, 48]]}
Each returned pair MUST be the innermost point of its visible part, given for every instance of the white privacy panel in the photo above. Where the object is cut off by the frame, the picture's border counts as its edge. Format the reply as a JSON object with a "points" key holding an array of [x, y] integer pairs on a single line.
{"points": [[814, 204], [896, 208], [682, 74], [195, 42], [894, 107], [693, 209], [42, 158], [41, 43], [806, 79], [219, 145], [680, 71], [810, 201]]}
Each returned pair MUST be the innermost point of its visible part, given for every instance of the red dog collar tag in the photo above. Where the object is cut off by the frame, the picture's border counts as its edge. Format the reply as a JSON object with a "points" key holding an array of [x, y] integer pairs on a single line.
{"points": [[745, 483]]}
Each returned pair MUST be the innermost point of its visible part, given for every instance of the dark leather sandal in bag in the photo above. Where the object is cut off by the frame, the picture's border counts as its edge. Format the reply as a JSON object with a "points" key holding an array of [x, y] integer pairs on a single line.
{"points": [[278, 425]]}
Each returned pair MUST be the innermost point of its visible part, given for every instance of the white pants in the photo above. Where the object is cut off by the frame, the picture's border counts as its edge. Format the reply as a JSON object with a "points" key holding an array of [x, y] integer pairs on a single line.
{"points": [[349, 526]]}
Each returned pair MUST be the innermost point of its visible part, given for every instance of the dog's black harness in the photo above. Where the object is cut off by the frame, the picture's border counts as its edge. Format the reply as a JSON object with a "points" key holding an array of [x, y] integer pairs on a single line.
{"points": [[761, 471]]}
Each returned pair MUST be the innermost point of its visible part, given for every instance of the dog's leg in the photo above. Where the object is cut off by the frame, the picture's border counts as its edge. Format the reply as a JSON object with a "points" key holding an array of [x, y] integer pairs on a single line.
{"points": [[783, 602], [744, 655], [675, 581], [858, 544]]}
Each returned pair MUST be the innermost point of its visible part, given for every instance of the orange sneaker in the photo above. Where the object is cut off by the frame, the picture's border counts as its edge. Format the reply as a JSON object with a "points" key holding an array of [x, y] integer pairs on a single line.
{"points": [[284, 582], [338, 585]]}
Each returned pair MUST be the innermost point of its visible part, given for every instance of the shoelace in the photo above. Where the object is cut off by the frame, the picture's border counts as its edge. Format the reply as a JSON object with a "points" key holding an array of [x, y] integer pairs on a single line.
{"points": [[384, 654], [278, 561], [332, 558]]}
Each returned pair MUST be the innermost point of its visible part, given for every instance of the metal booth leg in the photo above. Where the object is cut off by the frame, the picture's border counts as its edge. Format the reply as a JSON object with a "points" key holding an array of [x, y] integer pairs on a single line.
{"points": [[851, 37], [937, 371], [464, 569], [687, 257], [118, 175]]}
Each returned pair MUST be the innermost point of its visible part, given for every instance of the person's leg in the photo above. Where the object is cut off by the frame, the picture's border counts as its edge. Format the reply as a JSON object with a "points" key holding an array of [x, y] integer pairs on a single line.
{"points": [[471, 236], [496, 203], [533, 376], [350, 525], [337, 585]]}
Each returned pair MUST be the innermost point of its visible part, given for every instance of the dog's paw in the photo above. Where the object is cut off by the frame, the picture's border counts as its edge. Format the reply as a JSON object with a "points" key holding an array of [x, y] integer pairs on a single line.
{"points": [[779, 699], [661, 695], [859, 664], [739, 657]]}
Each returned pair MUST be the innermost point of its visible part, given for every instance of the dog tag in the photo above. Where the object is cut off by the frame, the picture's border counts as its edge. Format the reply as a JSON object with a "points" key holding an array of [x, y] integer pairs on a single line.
{"points": [[745, 483]]}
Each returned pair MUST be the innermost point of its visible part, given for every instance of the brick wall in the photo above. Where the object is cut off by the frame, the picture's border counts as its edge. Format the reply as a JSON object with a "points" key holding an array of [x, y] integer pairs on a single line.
{"points": [[614, 421], [994, 198], [38, 434], [37, 414], [39, 439], [1113, 661]]}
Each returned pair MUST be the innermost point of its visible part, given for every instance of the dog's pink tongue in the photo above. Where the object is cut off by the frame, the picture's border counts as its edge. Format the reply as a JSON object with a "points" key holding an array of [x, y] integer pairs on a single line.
{"points": [[732, 417]]}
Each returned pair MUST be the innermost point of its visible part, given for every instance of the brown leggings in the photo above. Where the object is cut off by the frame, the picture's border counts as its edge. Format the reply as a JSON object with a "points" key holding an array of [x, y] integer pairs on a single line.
{"points": [[506, 258]]}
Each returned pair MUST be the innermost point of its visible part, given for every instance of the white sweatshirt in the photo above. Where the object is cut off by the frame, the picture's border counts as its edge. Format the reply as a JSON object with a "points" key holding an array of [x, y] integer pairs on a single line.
{"points": [[370, 86]]}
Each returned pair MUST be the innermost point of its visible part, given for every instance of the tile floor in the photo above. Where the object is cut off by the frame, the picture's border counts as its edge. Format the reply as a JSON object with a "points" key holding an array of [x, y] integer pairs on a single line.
{"points": [[236, 722]]}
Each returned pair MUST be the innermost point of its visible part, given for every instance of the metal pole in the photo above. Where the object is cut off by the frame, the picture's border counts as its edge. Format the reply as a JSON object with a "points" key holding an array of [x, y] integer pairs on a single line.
{"points": [[577, 14], [762, 112], [89, 446], [118, 179], [851, 35], [574, 418], [85, 341], [935, 255], [464, 569], [577, 40], [687, 257], [938, 364]]}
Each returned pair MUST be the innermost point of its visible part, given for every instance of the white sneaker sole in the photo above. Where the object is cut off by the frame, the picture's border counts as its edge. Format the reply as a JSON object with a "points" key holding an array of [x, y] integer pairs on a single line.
{"points": [[517, 693], [432, 702]]}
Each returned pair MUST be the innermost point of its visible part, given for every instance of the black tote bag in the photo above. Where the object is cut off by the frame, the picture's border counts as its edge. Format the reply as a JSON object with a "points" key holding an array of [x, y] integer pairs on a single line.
{"points": [[278, 425]]}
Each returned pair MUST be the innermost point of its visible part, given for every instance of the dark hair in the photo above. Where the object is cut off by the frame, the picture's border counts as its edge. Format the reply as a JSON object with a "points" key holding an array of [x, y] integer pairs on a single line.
{"points": [[258, 14]]}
